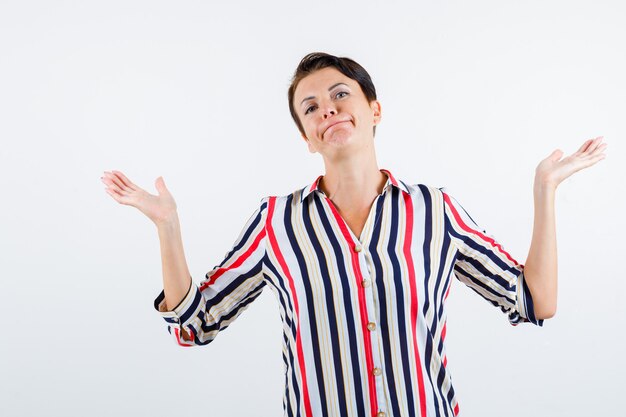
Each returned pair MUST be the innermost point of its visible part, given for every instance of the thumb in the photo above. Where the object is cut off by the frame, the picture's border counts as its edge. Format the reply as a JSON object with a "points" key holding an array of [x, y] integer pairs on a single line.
{"points": [[160, 186], [556, 155]]}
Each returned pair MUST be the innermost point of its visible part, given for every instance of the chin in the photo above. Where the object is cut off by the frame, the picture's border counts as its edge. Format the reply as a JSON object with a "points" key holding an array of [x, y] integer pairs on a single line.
{"points": [[340, 137]]}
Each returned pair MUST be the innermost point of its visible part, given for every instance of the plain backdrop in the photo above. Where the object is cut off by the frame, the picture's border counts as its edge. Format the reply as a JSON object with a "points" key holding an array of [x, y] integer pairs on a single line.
{"points": [[474, 96]]}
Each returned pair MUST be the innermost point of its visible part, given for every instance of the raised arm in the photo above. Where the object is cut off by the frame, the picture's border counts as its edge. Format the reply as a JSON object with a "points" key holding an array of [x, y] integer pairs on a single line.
{"points": [[541, 265], [161, 210]]}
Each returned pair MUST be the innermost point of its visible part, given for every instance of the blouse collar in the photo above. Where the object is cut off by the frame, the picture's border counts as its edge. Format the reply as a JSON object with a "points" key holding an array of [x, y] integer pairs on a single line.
{"points": [[391, 181]]}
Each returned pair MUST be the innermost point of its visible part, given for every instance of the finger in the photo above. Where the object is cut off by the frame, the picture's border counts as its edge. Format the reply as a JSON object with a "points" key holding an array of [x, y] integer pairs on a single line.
{"points": [[159, 183], [556, 155], [596, 150], [581, 164], [584, 146], [125, 180], [116, 196], [112, 185], [594, 144], [593, 160], [587, 145], [115, 179], [120, 198]]}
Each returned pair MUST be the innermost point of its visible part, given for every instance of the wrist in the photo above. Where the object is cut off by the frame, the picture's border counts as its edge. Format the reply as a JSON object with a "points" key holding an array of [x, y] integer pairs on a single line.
{"points": [[167, 223], [544, 184], [542, 191]]}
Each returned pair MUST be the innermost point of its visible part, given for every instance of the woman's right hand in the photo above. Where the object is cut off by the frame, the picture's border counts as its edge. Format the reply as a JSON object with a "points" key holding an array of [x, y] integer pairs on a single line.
{"points": [[159, 208]]}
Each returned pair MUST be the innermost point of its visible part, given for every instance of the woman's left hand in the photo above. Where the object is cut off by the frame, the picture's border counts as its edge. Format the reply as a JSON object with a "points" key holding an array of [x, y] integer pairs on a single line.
{"points": [[553, 170]]}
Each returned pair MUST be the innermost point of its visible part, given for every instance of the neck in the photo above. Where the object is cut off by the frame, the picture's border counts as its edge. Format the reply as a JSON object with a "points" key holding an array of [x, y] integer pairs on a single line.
{"points": [[353, 182]]}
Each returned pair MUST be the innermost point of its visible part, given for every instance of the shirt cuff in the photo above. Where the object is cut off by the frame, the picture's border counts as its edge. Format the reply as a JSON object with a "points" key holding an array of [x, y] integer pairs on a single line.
{"points": [[185, 311], [525, 304]]}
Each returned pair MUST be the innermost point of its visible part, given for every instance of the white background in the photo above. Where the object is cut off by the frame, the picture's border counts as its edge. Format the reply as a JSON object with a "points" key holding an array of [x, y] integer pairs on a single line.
{"points": [[474, 95]]}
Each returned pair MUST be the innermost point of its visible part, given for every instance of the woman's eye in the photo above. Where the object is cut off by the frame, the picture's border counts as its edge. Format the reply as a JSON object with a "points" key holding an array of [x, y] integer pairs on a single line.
{"points": [[336, 96]]}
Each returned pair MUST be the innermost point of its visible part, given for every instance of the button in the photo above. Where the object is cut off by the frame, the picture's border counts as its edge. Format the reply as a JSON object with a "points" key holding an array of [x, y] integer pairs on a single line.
{"points": [[366, 282], [381, 414], [371, 326], [377, 371], [358, 248]]}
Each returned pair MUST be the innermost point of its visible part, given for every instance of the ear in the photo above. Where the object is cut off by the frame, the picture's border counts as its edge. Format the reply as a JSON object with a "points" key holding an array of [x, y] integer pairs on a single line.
{"points": [[376, 111], [311, 148]]}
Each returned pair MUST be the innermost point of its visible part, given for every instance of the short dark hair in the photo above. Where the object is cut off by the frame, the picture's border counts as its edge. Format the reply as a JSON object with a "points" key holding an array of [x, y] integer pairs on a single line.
{"points": [[319, 60]]}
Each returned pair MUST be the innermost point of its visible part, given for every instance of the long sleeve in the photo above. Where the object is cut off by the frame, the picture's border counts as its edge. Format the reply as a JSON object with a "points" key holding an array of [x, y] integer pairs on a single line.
{"points": [[482, 264], [226, 291]]}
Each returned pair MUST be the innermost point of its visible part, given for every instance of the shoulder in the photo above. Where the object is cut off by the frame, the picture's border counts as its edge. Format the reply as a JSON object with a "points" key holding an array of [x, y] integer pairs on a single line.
{"points": [[420, 188], [424, 191], [294, 197]]}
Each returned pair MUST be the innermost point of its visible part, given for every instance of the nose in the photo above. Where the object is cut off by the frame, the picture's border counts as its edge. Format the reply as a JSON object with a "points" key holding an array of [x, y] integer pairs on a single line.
{"points": [[329, 109]]}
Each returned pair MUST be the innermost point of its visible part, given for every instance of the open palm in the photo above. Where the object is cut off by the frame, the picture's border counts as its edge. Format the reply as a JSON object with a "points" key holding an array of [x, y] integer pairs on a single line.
{"points": [[159, 208], [553, 170]]}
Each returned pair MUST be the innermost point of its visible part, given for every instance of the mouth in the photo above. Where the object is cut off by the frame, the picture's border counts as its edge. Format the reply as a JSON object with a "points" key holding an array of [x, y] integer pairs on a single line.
{"points": [[336, 123]]}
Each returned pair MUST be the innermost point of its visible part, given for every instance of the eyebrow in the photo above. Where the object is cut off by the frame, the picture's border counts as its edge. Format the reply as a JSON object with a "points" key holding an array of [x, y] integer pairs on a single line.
{"points": [[329, 89]]}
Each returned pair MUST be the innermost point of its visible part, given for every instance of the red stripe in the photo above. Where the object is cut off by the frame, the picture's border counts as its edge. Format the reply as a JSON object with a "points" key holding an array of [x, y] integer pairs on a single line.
{"points": [[179, 340], [242, 258], [465, 227], [283, 265], [391, 177], [456, 409], [408, 203], [369, 357], [314, 185]]}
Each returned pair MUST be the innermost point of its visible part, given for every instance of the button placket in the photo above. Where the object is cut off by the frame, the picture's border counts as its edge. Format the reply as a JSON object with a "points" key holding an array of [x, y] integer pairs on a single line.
{"points": [[363, 259], [371, 326], [366, 282]]}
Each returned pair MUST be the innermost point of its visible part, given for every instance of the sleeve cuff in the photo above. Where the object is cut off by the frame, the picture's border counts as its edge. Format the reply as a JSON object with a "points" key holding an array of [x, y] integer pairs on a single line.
{"points": [[525, 308], [185, 311]]}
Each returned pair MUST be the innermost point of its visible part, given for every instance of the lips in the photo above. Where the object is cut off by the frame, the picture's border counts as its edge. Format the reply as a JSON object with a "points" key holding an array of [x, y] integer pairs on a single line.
{"points": [[333, 124]]}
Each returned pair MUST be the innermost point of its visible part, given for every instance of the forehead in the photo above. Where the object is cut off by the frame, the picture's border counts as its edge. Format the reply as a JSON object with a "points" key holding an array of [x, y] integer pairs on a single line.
{"points": [[320, 80]]}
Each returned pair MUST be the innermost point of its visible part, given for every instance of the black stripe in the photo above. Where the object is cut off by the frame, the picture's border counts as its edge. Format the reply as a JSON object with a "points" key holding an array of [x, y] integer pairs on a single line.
{"points": [[226, 291], [428, 349], [282, 294], [482, 248], [221, 325], [461, 266]]}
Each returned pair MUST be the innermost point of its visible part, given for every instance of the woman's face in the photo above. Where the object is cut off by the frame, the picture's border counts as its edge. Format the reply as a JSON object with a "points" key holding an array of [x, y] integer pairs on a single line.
{"points": [[334, 112]]}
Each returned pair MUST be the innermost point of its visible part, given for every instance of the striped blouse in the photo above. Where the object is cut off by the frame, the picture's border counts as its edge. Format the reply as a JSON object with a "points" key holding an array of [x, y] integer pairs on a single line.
{"points": [[364, 318]]}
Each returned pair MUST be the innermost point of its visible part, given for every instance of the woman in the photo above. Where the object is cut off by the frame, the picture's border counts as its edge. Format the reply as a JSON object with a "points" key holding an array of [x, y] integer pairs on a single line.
{"points": [[360, 262]]}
